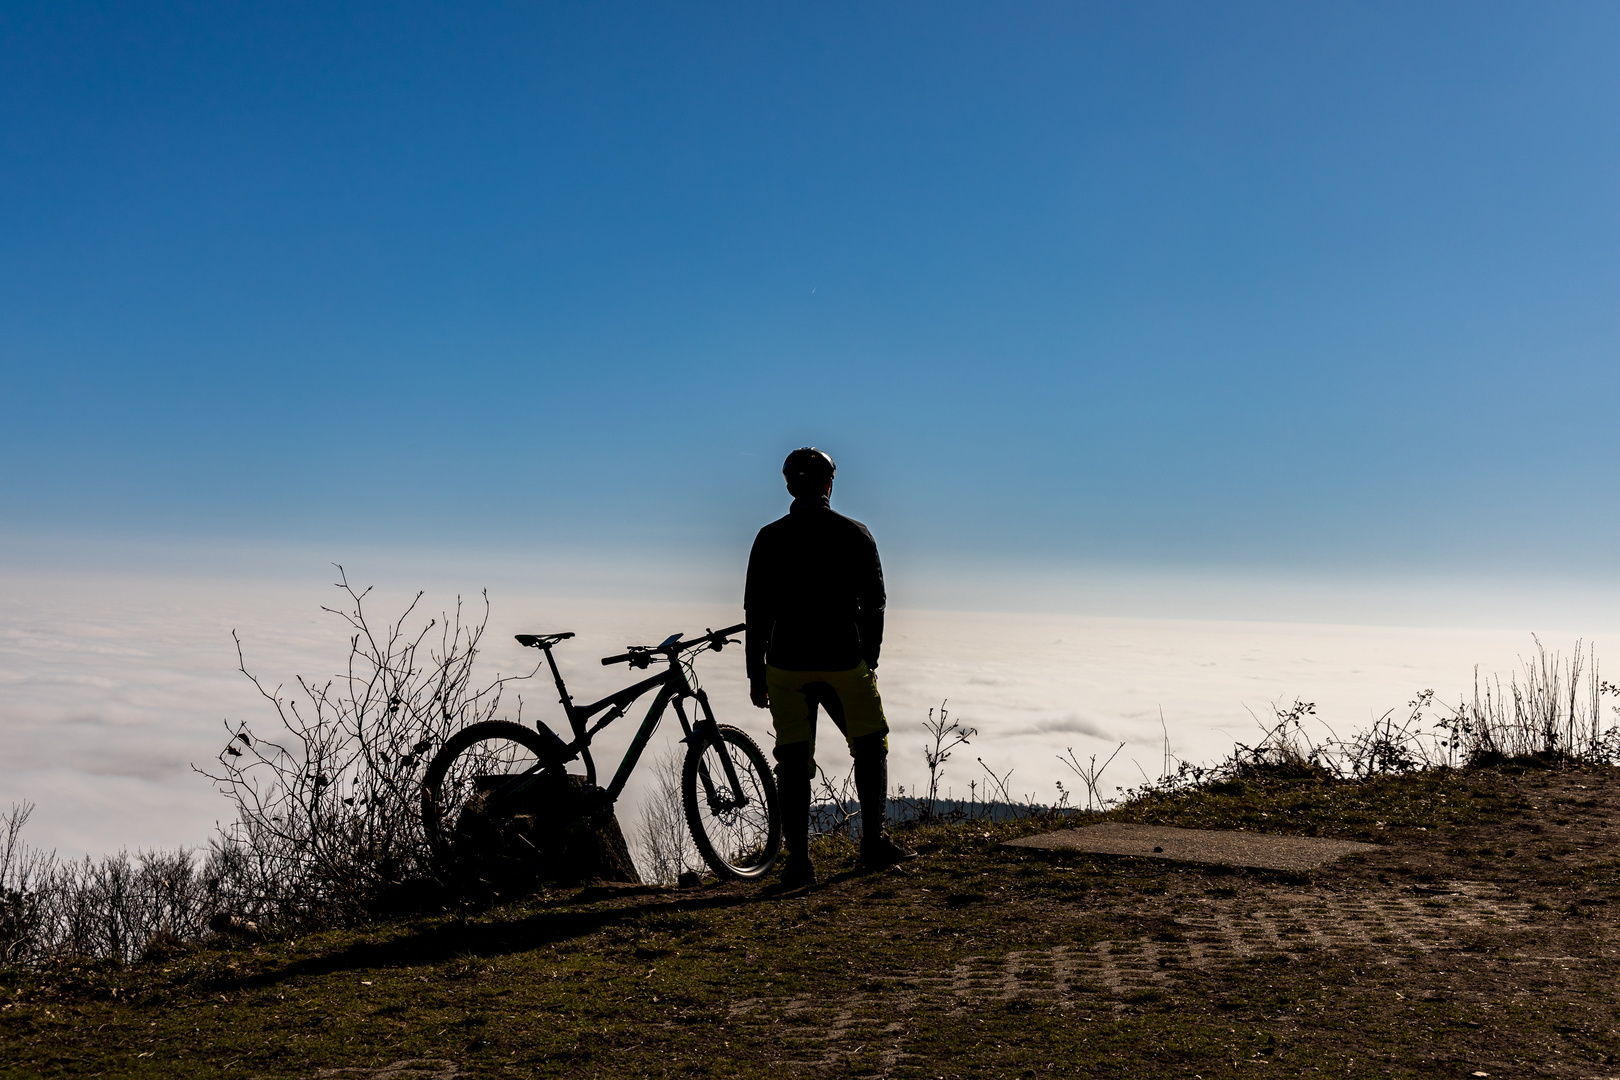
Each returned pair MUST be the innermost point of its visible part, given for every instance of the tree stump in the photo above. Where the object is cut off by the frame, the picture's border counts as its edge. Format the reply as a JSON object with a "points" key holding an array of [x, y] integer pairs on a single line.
{"points": [[559, 830]]}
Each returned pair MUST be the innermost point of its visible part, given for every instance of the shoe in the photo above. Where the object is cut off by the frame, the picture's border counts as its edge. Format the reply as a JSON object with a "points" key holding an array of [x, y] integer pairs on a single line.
{"points": [[799, 873], [880, 850]]}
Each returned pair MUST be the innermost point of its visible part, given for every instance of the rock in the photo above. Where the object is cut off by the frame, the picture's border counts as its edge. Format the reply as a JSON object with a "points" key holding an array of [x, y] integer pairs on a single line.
{"points": [[560, 830]]}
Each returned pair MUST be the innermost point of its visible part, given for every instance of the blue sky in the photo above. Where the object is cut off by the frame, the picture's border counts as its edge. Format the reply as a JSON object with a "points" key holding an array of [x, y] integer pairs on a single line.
{"points": [[1315, 286]]}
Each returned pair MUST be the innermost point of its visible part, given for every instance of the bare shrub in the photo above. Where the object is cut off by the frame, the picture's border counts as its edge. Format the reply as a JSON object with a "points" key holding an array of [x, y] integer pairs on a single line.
{"points": [[996, 790], [1090, 775], [945, 733], [328, 821], [23, 873], [835, 808], [1390, 747], [1557, 712], [1286, 749], [1551, 710], [948, 733], [667, 850], [121, 905]]}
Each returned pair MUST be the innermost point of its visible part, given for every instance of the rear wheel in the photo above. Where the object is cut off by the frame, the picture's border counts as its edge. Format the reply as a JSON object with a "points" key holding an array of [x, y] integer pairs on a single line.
{"points": [[738, 831], [479, 777]]}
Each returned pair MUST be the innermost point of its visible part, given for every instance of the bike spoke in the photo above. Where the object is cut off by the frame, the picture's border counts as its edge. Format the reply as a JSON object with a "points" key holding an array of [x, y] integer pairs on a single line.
{"points": [[735, 826]]}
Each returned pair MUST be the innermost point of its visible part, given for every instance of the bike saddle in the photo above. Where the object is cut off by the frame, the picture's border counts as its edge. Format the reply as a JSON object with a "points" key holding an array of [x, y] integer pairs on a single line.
{"points": [[541, 641]]}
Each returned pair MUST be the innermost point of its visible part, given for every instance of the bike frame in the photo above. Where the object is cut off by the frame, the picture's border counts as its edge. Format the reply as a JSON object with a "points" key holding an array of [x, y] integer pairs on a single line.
{"points": [[674, 687]]}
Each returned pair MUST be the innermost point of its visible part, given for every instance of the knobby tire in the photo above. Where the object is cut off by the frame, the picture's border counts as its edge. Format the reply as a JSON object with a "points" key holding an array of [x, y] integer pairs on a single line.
{"points": [[740, 843]]}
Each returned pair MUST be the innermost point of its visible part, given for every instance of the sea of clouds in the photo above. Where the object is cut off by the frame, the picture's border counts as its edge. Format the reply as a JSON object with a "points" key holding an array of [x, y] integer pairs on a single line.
{"points": [[114, 681]]}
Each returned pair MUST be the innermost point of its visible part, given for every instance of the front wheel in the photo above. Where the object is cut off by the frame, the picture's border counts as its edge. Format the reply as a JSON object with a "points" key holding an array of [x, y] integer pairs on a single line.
{"points": [[738, 830]]}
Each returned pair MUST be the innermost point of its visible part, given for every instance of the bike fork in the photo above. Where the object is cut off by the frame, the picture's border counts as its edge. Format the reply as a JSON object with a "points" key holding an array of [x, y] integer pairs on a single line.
{"points": [[704, 731]]}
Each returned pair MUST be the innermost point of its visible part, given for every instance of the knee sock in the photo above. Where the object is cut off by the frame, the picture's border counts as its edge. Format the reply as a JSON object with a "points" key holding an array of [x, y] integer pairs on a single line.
{"points": [[872, 782], [793, 789]]}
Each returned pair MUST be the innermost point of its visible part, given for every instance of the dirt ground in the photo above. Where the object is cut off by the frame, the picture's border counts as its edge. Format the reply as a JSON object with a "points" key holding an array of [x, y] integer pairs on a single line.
{"points": [[1477, 938], [1481, 942]]}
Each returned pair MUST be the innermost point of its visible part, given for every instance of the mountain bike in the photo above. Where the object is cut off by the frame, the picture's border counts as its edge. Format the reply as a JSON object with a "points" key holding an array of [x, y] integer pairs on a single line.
{"points": [[728, 792]]}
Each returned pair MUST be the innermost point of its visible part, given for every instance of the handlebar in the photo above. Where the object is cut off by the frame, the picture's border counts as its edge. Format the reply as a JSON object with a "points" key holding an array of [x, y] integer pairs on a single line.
{"points": [[642, 655]]}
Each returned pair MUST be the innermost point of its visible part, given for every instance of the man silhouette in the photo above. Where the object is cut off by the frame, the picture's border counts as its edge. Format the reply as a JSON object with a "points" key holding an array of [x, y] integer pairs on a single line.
{"points": [[814, 603]]}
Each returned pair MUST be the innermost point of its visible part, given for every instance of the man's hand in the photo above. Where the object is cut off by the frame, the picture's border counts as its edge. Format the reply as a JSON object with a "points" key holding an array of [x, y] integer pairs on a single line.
{"points": [[758, 694]]}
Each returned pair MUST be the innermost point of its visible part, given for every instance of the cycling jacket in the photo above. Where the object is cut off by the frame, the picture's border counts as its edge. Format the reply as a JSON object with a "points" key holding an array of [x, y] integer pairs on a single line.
{"points": [[814, 598]]}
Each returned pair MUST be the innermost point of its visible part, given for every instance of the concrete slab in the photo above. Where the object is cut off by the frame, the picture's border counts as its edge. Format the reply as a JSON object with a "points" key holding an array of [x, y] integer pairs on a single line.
{"points": [[1266, 851]]}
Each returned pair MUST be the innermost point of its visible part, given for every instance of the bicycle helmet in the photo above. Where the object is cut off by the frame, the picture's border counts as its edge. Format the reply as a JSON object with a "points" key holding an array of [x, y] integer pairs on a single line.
{"points": [[808, 467]]}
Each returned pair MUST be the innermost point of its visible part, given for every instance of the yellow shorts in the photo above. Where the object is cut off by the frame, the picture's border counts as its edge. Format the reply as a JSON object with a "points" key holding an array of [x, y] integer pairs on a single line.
{"points": [[855, 706]]}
